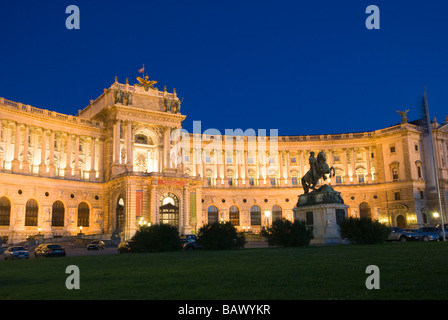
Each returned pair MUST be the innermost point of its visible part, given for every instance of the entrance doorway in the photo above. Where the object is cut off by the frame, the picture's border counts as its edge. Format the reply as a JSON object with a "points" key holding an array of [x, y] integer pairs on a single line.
{"points": [[169, 209], [401, 222]]}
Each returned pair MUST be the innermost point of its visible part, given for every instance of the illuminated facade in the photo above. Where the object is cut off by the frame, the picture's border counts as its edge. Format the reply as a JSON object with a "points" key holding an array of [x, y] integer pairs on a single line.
{"points": [[118, 164]]}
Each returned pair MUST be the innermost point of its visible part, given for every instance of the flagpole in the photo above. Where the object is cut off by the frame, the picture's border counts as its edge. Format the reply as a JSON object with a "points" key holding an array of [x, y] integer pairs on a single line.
{"points": [[435, 164]]}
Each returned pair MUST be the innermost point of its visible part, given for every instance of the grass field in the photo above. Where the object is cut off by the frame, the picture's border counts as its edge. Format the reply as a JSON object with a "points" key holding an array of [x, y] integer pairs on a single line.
{"points": [[407, 271]]}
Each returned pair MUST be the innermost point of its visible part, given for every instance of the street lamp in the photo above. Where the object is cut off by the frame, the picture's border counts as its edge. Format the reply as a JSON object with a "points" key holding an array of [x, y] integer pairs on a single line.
{"points": [[267, 213]]}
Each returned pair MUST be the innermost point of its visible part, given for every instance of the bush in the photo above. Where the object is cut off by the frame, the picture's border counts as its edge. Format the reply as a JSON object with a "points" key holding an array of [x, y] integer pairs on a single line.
{"points": [[288, 234], [363, 230], [220, 236], [156, 238]]}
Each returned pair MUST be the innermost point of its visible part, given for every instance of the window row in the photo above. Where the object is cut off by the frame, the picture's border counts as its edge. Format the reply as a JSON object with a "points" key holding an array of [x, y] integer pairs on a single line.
{"points": [[32, 211], [234, 215]]}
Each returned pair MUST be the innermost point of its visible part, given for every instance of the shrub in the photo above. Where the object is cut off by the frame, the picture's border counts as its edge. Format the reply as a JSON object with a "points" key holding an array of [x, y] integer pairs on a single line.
{"points": [[220, 236], [363, 230], [288, 234], [156, 238]]}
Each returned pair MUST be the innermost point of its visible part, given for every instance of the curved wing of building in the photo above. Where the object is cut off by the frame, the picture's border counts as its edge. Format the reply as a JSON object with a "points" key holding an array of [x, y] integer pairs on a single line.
{"points": [[124, 160]]}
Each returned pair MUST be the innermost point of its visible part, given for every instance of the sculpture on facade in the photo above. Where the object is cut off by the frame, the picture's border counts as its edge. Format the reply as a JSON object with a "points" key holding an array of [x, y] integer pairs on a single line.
{"points": [[318, 169], [403, 114], [146, 83]]}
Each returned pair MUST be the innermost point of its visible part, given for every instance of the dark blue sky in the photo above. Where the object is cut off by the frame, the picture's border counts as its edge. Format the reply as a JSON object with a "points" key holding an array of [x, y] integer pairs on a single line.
{"points": [[302, 67]]}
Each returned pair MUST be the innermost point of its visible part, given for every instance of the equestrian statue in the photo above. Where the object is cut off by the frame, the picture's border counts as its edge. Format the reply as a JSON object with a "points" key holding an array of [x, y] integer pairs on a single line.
{"points": [[318, 169]]}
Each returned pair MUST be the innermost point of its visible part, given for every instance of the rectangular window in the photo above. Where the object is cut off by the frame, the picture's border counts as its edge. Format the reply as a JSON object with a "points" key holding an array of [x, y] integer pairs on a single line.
{"points": [[272, 181], [395, 174], [250, 160], [271, 160], [294, 181], [422, 194], [209, 181], [230, 181], [207, 159], [397, 195], [293, 160], [251, 181], [336, 158], [392, 149], [360, 178], [338, 179], [309, 218]]}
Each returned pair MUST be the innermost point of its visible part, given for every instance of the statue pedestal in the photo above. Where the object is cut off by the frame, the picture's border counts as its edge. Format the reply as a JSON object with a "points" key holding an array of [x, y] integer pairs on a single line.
{"points": [[322, 209]]}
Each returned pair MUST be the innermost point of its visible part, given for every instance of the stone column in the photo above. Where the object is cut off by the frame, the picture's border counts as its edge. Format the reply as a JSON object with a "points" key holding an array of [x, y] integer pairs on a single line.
{"points": [[344, 158], [288, 178], [92, 172], [52, 167], [280, 168], [246, 168], [354, 178], [77, 169], [117, 142], [43, 154], [68, 168], [166, 148], [101, 159], [129, 149], [369, 173], [26, 163], [16, 162]]}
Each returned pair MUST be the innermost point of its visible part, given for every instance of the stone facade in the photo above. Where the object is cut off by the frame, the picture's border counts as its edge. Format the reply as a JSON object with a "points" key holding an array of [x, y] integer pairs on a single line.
{"points": [[118, 164]]}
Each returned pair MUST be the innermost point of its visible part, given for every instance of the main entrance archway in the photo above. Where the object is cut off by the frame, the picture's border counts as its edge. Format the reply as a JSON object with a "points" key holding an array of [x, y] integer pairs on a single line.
{"points": [[169, 209]]}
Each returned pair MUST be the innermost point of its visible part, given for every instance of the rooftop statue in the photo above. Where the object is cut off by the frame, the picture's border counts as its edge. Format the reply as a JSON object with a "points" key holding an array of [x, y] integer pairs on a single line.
{"points": [[403, 114], [146, 83]]}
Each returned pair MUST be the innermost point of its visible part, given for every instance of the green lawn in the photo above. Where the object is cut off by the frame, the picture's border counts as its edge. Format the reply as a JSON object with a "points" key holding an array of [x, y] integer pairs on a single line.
{"points": [[407, 271]]}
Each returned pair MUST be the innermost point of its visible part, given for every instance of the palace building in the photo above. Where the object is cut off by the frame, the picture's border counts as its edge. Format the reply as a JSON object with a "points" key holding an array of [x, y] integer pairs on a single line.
{"points": [[117, 164]]}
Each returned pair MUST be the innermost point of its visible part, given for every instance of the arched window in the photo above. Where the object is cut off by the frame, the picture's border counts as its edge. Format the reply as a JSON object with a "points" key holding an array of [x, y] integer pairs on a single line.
{"points": [[31, 212], [212, 215], [119, 212], [255, 216], [234, 215], [58, 212], [276, 213], [83, 214], [364, 210], [5, 211]]}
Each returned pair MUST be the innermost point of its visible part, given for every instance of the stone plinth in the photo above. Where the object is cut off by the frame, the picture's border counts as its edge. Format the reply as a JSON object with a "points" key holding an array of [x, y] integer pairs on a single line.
{"points": [[322, 209]]}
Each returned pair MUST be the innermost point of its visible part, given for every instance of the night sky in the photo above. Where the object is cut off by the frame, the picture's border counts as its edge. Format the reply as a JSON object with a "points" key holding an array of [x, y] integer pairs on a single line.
{"points": [[302, 67]]}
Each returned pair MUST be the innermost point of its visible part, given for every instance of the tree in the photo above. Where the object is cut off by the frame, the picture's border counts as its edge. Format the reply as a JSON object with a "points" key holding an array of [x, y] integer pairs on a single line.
{"points": [[363, 230], [220, 236], [156, 238], [288, 234]]}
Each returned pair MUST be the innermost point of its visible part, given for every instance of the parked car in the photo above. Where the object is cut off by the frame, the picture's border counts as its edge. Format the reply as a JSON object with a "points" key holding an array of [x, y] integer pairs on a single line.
{"points": [[16, 252], [435, 229], [49, 250], [95, 245], [191, 245], [125, 247], [398, 234], [187, 238], [425, 235]]}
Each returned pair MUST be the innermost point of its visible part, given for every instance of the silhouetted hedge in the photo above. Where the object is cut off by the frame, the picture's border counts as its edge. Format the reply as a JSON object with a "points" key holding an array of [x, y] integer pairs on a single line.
{"points": [[157, 238], [363, 230], [285, 233], [220, 236]]}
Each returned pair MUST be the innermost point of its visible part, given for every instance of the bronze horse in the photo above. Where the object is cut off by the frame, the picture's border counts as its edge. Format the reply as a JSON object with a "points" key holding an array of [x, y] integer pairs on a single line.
{"points": [[310, 179]]}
